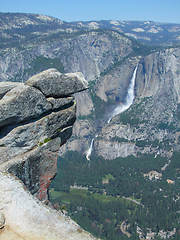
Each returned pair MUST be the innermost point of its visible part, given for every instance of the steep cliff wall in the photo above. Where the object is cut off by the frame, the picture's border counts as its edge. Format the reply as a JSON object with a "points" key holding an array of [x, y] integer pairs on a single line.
{"points": [[153, 117], [90, 53], [36, 119]]}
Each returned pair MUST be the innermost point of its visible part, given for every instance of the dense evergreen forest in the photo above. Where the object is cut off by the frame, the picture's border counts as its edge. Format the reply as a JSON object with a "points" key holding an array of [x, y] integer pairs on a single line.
{"points": [[117, 192]]}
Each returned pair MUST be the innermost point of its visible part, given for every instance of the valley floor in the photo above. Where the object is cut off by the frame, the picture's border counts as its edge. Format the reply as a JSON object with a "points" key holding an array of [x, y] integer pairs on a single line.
{"points": [[101, 195]]}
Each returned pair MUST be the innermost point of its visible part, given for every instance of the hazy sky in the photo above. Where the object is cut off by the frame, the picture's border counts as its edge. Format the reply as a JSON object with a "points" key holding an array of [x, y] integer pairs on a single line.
{"points": [[86, 10]]}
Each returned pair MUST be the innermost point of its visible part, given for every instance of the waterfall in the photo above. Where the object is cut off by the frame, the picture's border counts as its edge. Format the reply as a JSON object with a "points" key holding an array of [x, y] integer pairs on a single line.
{"points": [[128, 100], [89, 151], [119, 109]]}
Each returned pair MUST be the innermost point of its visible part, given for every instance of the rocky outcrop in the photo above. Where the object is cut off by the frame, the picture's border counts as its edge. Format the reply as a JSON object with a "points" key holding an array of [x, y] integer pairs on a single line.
{"points": [[36, 119], [55, 84]]}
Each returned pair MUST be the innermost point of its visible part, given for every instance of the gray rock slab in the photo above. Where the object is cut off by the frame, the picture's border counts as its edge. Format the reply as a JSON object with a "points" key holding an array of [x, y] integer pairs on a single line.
{"points": [[28, 218], [22, 103], [7, 86], [55, 84], [59, 102], [25, 137]]}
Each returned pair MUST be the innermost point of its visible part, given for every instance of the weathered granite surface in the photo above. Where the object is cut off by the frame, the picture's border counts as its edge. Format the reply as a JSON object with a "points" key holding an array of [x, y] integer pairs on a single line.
{"points": [[36, 119], [7, 86], [21, 104], [55, 84]]}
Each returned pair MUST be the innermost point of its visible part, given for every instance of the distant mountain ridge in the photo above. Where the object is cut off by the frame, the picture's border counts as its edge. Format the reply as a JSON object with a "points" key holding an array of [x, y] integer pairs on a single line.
{"points": [[144, 31], [20, 24]]}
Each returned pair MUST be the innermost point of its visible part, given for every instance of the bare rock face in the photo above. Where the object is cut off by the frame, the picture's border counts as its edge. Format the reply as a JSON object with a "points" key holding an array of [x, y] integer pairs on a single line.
{"points": [[156, 104], [55, 84], [22, 103], [7, 86], [157, 98], [36, 119]]}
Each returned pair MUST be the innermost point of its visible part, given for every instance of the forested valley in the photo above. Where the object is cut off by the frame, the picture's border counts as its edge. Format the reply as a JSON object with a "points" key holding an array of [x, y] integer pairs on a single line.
{"points": [[105, 196]]}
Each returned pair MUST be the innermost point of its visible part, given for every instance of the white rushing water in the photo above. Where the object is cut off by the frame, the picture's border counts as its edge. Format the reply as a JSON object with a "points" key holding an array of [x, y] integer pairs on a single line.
{"points": [[128, 100], [89, 151], [119, 109]]}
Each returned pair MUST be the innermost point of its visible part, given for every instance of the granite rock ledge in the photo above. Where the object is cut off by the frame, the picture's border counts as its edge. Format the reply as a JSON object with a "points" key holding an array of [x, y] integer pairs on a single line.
{"points": [[36, 119]]}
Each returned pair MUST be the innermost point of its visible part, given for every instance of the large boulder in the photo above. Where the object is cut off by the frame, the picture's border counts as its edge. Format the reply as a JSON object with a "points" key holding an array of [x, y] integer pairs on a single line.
{"points": [[22, 103], [43, 92], [55, 84]]}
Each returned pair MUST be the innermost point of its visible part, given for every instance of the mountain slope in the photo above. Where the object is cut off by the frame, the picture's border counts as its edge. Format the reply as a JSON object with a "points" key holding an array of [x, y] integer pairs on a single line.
{"points": [[27, 27]]}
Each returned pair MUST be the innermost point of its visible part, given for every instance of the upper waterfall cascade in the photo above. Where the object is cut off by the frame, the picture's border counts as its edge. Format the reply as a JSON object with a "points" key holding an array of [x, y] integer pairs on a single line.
{"points": [[128, 100], [119, 109]]}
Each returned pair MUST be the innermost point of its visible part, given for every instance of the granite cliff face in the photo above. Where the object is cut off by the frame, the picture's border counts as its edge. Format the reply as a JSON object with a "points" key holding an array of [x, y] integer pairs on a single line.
{"points": [[98, 50], [153, 117], [36, 119]]}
